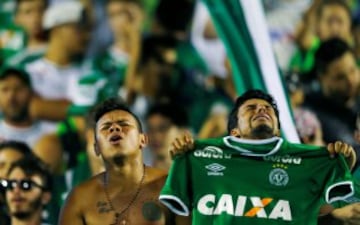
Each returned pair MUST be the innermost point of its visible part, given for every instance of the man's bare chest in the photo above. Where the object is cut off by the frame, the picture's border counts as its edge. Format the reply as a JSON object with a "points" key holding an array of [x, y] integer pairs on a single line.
{"points": [[124, 210]]}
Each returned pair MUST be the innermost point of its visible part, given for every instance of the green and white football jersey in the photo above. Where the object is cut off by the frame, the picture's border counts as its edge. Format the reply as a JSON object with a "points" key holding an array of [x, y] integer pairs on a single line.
{"points": [[25, 56], [12, 40], [113, 64], [271, 181]]}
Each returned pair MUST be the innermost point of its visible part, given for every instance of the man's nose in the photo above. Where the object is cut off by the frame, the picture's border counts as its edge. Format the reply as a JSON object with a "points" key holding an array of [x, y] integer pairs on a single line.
{"points": [[114, 128], [261, 108], [16, 189]]}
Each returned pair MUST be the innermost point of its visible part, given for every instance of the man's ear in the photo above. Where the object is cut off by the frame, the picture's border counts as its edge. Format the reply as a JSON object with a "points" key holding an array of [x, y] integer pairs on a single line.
{"points": [[46, 197], [235, 132], [143, 140], [278, 133], [96, 148]]}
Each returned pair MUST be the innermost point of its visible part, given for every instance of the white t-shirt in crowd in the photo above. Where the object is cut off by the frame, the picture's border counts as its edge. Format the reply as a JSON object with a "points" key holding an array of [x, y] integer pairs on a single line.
{"points": [[30, 135], [51, 81]]}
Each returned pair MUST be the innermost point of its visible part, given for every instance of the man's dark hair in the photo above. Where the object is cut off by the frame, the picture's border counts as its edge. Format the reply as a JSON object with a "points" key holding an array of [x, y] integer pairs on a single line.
{"points": [[250, 94], [89, 118], [325, 3], [8, 71], [152, 47], [328, 52], [175, 113], [21, 147], [18, 2], [34, 166], [113, 104], [175, 15]]}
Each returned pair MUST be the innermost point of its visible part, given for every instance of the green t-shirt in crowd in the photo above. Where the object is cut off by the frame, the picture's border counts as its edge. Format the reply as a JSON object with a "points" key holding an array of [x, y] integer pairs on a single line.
{"points": [[104, 81], [25, 56], [235, 181], [303, 60], [12, 40], [7, 8], [189, 59], [113, 64], [354, 199]]}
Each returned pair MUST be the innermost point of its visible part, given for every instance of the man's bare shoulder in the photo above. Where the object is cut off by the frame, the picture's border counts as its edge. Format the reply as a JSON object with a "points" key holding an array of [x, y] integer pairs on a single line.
{"points": [[156, 172], [86, 189], [91, 184], [155, 175]]}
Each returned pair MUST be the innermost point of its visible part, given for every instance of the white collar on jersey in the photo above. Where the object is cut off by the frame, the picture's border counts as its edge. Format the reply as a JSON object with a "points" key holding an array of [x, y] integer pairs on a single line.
{"points": [[228, 139]]}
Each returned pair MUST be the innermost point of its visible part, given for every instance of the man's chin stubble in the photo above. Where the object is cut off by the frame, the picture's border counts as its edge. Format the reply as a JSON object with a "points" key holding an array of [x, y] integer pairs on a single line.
{"points": [[262, 132]]}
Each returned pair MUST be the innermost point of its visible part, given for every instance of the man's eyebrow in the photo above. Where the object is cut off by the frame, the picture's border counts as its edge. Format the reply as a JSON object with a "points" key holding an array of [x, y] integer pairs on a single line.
{"points": [[255, 104], [251, 105], [116, 121]]}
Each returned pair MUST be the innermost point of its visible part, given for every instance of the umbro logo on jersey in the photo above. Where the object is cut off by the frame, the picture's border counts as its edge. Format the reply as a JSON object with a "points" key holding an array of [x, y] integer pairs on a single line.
{"points": [[215, 169], [211, 152]]}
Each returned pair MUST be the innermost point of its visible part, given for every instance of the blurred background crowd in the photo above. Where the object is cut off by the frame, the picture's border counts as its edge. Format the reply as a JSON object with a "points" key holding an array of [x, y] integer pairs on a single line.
{"points": [[166, 60]]}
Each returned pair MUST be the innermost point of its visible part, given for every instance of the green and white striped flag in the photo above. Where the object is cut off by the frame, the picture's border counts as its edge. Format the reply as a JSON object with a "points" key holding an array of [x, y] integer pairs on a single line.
{"points": [[242, 27]]}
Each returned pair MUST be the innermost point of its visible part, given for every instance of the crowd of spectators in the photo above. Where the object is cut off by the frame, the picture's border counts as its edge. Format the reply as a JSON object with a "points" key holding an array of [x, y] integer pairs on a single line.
{"points": [[59, 58]]}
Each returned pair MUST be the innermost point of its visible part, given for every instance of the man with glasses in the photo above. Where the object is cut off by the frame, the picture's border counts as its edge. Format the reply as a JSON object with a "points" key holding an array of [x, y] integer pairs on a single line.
{"points": [[10, 152], [27, 191]]}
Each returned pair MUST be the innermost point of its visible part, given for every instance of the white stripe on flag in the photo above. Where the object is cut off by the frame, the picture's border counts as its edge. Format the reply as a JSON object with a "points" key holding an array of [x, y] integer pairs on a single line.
{"points": [[255, 18]]}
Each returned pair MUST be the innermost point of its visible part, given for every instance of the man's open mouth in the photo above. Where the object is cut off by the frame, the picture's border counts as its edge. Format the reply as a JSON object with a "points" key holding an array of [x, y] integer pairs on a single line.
{"points": [[115, 139]]}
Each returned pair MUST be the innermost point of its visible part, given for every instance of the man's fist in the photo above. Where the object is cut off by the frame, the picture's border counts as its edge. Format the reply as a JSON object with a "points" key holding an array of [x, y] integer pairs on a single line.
{"points": [[345, 149], [181, 144]]}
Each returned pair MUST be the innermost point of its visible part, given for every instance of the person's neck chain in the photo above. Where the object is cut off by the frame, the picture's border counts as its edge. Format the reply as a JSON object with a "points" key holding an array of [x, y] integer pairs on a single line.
{"points": [[118, 214]]}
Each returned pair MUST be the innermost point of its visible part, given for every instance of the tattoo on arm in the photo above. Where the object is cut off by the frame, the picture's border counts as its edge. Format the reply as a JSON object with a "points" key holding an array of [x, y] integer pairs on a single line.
{"points": [[151, 211], [103, 207]]}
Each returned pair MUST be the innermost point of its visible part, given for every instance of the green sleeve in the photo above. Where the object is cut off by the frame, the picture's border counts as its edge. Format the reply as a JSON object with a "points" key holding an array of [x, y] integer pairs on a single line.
{"points": [[175, 193], [353, 199], [340, 185], [85, 93]]}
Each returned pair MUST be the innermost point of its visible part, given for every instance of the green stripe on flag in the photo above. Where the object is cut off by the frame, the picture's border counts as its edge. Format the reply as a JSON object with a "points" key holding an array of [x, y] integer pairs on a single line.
{"points": [[227, 19], [241, 26]]}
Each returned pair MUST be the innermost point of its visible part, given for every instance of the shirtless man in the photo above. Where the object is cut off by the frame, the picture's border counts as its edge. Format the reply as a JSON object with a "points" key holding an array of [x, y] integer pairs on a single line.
{"points": [[127, 192]]}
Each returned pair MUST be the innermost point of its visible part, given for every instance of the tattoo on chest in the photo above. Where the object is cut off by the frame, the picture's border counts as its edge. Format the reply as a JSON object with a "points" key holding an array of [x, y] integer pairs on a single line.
{"points": [[151, 211], [103, 207]]}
